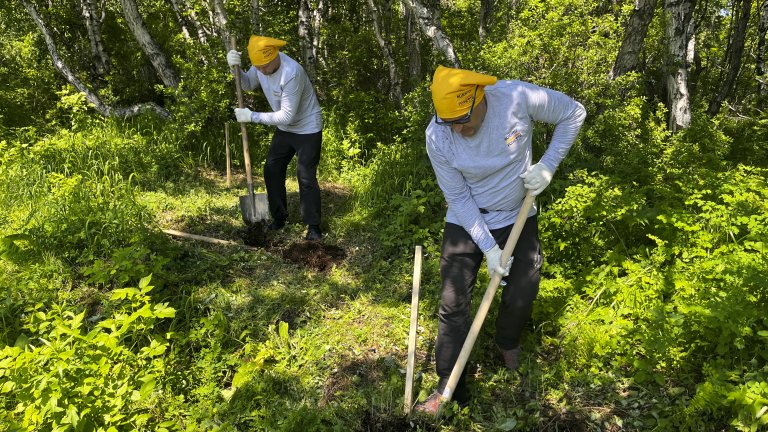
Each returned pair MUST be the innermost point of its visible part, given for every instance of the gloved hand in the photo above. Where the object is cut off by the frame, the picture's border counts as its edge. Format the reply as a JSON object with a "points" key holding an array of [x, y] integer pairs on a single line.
{"points": [[233, 58], [243, 115], [537, 178], [493, 260]]}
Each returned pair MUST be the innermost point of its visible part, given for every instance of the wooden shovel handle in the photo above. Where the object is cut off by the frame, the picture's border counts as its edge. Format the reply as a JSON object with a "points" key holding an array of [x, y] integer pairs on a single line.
{"points": [[408, 399], [243, 129], [490, 292]]}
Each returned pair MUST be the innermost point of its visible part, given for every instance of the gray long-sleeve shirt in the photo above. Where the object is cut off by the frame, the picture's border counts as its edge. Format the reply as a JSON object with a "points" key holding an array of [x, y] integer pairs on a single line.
{"points": [[483, 171], [290, 95]]}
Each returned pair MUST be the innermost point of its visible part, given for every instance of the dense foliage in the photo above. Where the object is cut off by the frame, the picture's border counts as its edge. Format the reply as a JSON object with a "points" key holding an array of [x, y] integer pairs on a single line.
{"points": [[651, 314]]}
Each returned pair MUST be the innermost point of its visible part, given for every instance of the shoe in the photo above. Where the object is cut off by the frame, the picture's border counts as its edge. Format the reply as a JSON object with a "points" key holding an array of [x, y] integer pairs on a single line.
{"points": [[430, 406], [314, 233], [276, 225], [511, 357]]}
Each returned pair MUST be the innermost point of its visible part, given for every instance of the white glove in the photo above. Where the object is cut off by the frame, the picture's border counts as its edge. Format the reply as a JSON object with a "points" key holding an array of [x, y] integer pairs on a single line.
{"points": [[537, 178], [243, 115], [233, 58], [493, 259]]}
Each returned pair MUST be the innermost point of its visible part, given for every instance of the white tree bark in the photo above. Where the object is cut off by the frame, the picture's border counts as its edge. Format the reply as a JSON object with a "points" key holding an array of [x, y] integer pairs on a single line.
{"points": [[634, 36], [256, 17], [395, 92], [305, 39], [181, 19], [93, 26], [151, 48], [318, 50], [430, 26], [679, 33], [219, 19], [91, 96]]}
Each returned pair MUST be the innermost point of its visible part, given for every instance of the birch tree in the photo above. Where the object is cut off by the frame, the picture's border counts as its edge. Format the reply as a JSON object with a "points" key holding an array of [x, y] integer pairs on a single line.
{"points": [[680, 45], [628, 57], [151, 48], [256, 17], [734, 52], [430, 26], [413, 45], [486, 18], [93, 27], [91, 96], [220, 21], [305, 39], [395, 91]]}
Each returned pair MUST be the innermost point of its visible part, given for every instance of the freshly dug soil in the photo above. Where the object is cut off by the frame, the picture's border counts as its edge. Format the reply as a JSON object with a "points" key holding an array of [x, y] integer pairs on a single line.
{"points": [[255, 234], [315, 255]]}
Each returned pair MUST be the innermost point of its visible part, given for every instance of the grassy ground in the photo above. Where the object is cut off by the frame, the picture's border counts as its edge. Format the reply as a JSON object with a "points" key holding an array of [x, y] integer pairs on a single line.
{"points": [[330, 346]]}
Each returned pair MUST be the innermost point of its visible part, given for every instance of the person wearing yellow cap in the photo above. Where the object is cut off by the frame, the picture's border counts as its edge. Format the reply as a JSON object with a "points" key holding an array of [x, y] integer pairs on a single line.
{"points": [[299, 123], [479, 144]]}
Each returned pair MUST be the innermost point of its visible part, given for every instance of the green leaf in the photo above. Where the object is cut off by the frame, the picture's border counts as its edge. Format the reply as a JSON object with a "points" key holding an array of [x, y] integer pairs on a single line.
{"points": [[283, 331]]}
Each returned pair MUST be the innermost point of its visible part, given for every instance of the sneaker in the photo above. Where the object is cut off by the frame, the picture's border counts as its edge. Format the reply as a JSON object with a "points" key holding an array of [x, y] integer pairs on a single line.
{"points": [[314, 233], [511, 357], [430, 406], [276, 225]]}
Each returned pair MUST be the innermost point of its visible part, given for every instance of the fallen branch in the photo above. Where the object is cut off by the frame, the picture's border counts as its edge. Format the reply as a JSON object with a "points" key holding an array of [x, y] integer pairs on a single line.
{"points": [[207, 239]]}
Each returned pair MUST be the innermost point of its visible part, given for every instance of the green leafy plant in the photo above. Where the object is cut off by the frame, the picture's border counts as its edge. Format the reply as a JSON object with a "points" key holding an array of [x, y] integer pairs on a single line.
{"points": [[65, 374]]}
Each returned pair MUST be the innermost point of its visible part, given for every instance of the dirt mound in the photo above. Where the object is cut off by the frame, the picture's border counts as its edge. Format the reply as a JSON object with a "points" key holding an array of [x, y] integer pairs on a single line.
{"points": [[315, 255]]}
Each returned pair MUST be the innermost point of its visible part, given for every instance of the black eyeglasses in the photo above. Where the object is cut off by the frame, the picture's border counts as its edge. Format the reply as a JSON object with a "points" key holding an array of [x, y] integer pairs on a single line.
{"points": [[460, 120]]}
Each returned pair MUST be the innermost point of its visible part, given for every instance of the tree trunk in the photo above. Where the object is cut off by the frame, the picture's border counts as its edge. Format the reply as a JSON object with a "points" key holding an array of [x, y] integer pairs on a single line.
{"points": [[413, 46], [680, 44], [90, 96], [151, 48], [317, 23], [219, 19], [395, 92], [634, 34], [733, 54], [430, 26], [486, 18], [305, 39], [181, 19], [760, 70], [93, 26], [255, 17]]}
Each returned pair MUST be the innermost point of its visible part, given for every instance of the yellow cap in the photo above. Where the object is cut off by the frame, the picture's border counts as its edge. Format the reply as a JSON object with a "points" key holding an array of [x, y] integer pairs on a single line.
{"points": [[453, 89], [262, 49]]}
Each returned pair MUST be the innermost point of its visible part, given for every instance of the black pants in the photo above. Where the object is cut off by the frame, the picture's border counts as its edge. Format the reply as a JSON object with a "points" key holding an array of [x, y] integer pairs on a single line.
{"points": [[282, 149], [460, 261]]}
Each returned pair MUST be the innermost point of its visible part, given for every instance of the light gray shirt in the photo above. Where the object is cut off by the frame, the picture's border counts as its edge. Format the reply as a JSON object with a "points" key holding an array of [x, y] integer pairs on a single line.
{"points": [[290, 95], [483, 171]]}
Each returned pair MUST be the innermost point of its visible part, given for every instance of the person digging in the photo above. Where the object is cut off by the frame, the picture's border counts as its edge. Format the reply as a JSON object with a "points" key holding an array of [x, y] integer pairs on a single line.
{"points": [[299, 124], [479, 143]]}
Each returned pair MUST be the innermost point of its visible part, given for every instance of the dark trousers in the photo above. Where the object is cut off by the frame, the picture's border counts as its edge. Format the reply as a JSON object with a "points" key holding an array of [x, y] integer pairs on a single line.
{"points": [[460, 261], [282, 149]]}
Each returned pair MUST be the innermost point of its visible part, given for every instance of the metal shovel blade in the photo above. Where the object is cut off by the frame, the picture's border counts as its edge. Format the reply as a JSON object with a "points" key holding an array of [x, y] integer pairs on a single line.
{"points": [[256, 210]]}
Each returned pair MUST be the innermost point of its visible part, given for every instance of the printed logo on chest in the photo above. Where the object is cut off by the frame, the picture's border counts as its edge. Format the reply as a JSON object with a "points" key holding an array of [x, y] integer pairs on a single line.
{"points": [[512, 136]]}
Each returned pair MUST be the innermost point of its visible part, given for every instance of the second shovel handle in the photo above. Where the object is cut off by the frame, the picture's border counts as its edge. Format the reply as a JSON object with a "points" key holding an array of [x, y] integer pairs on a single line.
{"points": [[243, 129]]}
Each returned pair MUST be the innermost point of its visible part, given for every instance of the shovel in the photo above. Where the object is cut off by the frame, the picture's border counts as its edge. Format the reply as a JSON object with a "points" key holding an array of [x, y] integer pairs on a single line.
{"points": [[253, 207], [490, 292]]}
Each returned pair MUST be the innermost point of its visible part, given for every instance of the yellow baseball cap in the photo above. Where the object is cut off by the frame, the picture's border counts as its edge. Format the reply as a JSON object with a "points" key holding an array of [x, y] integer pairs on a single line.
{"points": [[453, 90], [262, 49]]}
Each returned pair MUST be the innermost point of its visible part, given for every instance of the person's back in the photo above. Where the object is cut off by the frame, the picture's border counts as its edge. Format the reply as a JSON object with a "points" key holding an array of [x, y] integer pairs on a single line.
{"points": [[291, 96]]}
